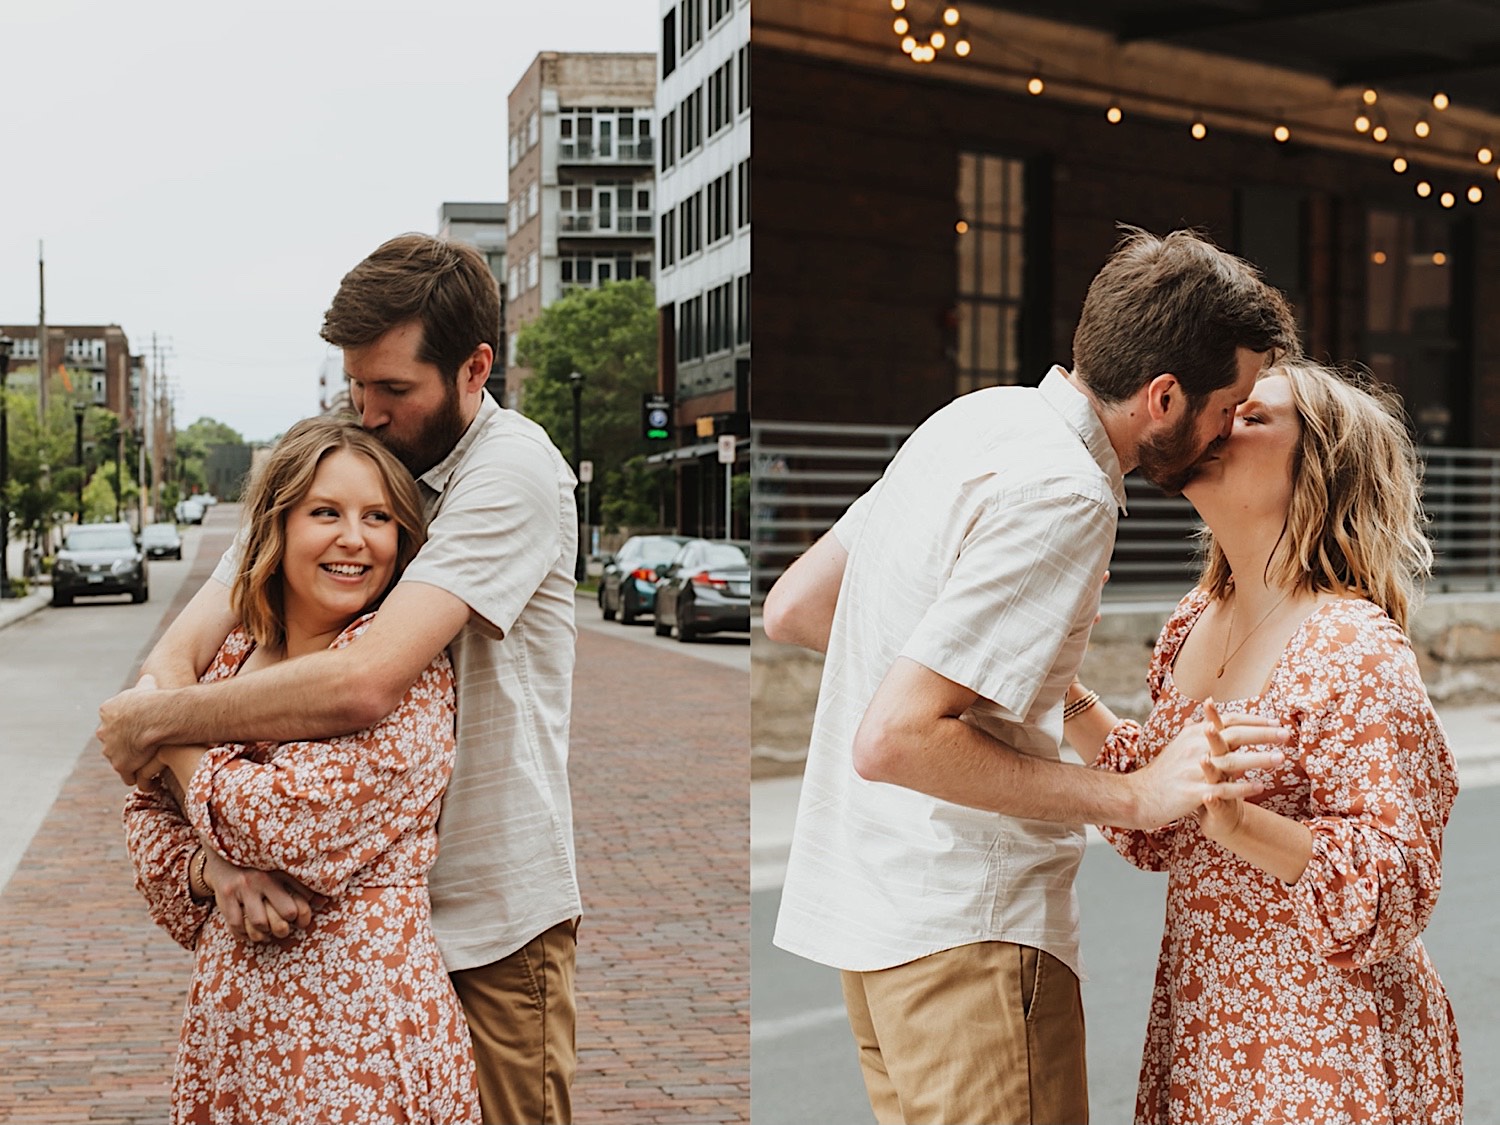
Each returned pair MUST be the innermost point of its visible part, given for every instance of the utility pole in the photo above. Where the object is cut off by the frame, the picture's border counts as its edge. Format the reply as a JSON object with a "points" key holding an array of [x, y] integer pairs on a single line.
{"points": [[42, 367]]}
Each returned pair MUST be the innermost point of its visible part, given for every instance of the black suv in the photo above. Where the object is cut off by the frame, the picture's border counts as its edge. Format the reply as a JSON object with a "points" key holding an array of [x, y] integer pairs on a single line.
{"points": [[99, 558]]}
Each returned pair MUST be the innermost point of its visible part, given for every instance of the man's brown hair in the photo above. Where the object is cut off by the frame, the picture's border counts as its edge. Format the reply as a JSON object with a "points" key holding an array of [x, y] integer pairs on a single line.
{"points": [[445, 286], [1176, 305]]}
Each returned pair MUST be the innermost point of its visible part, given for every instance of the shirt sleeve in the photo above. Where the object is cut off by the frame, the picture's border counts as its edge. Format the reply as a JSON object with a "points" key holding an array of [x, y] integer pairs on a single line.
{"points": [[161, 843], [229, 562], [1382, 784], [320, 811], [506, 520], [852, 522], [1027, 578]]}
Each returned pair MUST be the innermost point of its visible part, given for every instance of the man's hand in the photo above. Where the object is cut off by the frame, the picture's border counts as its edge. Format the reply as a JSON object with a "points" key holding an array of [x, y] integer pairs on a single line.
{"points": [[260, 905], [123, 730], [1173, 785]]}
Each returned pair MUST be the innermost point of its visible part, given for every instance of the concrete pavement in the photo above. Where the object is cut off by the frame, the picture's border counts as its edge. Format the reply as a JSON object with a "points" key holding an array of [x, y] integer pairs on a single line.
{"points": [[93, 992]]}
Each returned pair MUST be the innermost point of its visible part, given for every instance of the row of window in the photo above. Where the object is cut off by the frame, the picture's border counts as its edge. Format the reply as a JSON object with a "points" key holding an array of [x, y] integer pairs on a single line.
{"points": [[518, 211], [605, 134], [714, 321], [727, 92], [682, 29], [681, 234], [523, 279], [606, 206], [524, 138], [590, 270]]}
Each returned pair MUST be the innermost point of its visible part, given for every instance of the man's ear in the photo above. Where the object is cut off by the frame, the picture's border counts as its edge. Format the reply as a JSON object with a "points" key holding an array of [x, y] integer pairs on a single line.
{"points": [[1165, 398], [476, 369]]}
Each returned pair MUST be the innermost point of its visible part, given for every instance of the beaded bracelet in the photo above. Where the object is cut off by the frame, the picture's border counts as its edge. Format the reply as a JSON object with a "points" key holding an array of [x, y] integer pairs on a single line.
{"points": [[1080, 705]]}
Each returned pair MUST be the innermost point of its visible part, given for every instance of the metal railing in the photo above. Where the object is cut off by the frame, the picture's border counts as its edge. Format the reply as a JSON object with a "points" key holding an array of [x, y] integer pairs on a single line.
{"points": [[805, 474], [578, 151]]}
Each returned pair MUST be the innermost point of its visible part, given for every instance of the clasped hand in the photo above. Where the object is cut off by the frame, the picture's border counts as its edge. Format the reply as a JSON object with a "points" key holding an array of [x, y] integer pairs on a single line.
{"points": [[1200, 772]]}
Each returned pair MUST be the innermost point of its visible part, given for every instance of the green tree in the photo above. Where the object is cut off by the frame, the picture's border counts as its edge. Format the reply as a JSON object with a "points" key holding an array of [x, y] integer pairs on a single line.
{"points": [[609, 336], [99, 495], [194, 444]]}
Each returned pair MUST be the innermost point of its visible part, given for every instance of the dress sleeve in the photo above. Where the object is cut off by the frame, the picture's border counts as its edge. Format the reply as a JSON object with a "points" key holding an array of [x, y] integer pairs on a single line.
{"points": [[161, 843], [320, 811], [1382, 783]]}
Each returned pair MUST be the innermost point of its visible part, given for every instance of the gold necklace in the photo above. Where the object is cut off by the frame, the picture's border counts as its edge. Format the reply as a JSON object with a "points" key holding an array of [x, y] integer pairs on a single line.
{"points": [[1228, 656]]}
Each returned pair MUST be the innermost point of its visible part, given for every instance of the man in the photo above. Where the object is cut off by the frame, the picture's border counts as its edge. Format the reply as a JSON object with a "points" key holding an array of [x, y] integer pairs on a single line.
{"points": [[418, 321], [939, 833]]}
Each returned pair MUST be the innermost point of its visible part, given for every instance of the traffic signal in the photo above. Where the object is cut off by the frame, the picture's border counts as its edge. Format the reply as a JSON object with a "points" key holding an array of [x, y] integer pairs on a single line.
{"points": [[657, 417]]}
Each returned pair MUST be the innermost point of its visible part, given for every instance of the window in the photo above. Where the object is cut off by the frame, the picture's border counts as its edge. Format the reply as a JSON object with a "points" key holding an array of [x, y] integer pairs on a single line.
{"points": [[690, 117], [742, 309], [690, 224], [690, 14], [720, 97], [532, 196], [668, 140], [720, 215], [669, 42], [744, 77], [667, 241], [742, 196], [532, 261], [587, 269], [718, 9], [991, 266], [515, 150], [531, 130], [719, 336], [690, 329], [514, 289]]}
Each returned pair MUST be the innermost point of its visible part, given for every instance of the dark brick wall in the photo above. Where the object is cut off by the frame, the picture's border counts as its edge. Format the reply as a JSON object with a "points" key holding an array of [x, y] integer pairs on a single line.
{"points": [[854, 187]]}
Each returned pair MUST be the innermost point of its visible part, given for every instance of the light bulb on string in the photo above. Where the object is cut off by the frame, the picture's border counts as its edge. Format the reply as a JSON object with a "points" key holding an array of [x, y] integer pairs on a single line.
{"points": [[937, 39], [950, 16], [1378, 257], [1485, 154], [1421, 128], [1370, 97], [1440, 101], [901, 26], [1379, 134], [1475, 194], [909, 45], [1114, 114], [1035, 85], [898, 5], [1447, 199], [961, 226], [1199, 130], [1362, 123], [1439, 259], [1424, 189], [1399, 165], [1282, 134], [961, 48]]}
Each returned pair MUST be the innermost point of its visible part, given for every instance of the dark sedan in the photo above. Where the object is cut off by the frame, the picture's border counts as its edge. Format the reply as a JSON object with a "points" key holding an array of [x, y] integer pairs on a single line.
{"points": [[705, 589], [627, 586], [99, 558]]}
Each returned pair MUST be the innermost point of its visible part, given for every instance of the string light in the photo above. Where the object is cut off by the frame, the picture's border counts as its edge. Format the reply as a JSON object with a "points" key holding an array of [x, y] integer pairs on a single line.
{"points": [[909, 45], [1447, 199], [950, 16], [1440, 101], [1421, 128], [1399, 164], [961, 48], [1440, 259], [1114, 113], [1200, 130], [1484, 155], [1035, 85], [1370, 97], [1362, 123], [1424, 189], [1282, 134], [961, 226], [1476, 193], [898, 5], [901, 26], [937, 39], [1378, 257], [1380, 133]]}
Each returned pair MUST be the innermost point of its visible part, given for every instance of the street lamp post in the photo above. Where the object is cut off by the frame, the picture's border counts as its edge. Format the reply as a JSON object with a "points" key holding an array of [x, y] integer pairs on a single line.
{"points": [[78, 409], [580, 570], [6, 344]]}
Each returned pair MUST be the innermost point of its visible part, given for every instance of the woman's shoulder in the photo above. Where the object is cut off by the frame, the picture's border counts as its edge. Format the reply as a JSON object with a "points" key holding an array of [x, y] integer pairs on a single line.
{"points": [[236, 648]]}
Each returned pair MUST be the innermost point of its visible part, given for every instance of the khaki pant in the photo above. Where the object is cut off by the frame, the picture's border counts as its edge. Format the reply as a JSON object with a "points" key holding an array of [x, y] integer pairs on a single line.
{"points": [[521, 1017], [984, 1034]]}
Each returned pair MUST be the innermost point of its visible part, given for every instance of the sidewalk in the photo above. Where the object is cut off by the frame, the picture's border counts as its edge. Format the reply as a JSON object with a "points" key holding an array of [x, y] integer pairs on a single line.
{"points": [[93, 993], [14, 609], [1473, 732]]}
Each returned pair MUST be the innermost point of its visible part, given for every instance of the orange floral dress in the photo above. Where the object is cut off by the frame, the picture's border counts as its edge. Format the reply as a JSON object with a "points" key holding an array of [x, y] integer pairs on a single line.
{"points": [[353, 1019], [1313, 1001]]}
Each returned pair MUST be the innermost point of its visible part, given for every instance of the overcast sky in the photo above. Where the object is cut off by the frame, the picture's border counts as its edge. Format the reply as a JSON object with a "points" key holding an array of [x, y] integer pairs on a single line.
{"points": [[209, 172]]}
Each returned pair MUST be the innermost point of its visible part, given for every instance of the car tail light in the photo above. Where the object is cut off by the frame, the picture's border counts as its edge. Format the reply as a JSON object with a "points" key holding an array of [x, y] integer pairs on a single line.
{"points": [[706, 579], [644, 573]]}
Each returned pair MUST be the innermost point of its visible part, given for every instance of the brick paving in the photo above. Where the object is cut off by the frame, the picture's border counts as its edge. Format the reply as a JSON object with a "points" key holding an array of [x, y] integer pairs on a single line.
{"points": [[91, 991]]}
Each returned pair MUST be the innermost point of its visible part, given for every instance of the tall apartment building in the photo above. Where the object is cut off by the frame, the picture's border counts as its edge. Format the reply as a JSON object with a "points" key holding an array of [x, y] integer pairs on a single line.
{"points": [[97, 358], [482, 225], [703, 246], [582, 179]]}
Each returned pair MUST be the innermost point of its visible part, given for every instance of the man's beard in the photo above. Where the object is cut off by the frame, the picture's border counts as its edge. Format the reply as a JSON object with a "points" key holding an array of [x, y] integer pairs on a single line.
{"points": [[434, 441], [1171, 460]]}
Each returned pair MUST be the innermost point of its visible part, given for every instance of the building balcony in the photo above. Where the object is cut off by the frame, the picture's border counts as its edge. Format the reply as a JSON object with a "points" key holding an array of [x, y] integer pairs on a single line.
{"points": [[595, 151], [583, 224]]}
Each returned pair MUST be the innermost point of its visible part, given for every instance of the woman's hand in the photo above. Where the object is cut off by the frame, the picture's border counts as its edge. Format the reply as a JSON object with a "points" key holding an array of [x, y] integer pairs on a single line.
{"points": [[1219, 817], [260, 905]]}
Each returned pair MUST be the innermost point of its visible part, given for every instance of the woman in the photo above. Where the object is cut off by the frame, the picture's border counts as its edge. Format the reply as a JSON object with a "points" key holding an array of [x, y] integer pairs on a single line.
{"points": [[351, 1018], [1292, 984]]}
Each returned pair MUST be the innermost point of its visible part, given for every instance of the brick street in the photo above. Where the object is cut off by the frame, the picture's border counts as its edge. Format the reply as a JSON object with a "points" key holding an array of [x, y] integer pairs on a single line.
{"points": [[92, 991]]}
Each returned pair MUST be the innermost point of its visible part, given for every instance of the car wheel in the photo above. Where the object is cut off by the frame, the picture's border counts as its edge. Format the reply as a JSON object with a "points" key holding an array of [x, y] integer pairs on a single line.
{"points": [[137, 596], [685, 631], [604, 610], [663, 629], [627, 616], [59, 598]]}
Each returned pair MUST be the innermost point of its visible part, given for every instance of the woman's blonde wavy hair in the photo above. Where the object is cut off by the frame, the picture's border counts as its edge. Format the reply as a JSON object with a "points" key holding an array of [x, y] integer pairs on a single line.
{"points": [[1355, 522], [279, 485]]}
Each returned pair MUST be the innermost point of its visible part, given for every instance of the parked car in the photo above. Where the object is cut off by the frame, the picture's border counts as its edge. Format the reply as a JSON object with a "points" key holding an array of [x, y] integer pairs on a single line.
{"points": [[161, 541], [705, 589], [190, 510], [99, 558], [627, 586]]}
